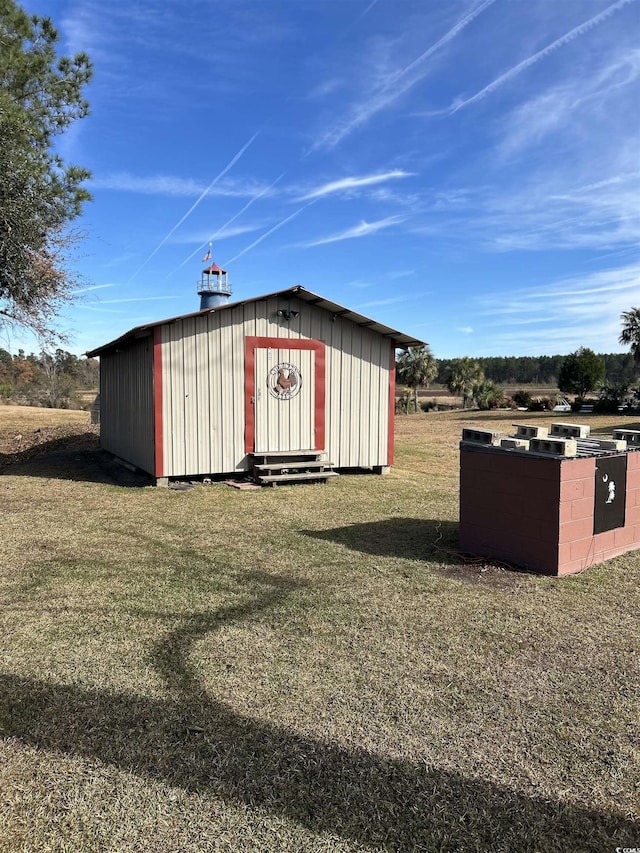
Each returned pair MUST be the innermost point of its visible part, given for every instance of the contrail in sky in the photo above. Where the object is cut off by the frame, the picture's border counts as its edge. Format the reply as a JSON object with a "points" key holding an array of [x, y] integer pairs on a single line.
{"points": [[536, 57], [446, 38], [228, 222], [366, 11], [270, 231], [387, 94], [196, 203]]}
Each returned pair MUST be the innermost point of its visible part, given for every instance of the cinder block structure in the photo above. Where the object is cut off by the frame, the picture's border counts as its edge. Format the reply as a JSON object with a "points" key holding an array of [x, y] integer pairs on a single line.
{"points": [[552, 514]]}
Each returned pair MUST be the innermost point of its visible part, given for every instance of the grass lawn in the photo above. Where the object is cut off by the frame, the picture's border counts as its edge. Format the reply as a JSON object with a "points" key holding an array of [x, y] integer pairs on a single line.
{"points": [[307, 668]]}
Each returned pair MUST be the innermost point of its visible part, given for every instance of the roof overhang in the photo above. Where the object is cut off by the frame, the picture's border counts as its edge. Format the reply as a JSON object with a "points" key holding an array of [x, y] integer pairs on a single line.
{"points": [[401, 340]]}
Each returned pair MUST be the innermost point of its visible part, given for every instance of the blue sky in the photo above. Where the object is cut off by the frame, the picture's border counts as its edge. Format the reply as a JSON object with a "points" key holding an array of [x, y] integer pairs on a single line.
{"points": [[467, 171]]}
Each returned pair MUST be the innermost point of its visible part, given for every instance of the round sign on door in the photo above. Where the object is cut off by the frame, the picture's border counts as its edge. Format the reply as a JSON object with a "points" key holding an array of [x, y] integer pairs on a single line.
{"points": [[284, 381]]}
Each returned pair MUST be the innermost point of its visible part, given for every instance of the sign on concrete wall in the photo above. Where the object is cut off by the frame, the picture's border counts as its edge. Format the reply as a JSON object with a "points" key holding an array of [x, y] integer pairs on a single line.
{"points": [[610, 494]]}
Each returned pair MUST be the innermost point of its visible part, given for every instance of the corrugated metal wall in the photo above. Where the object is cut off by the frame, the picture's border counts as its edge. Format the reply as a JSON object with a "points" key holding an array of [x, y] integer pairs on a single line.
{"points": [[203, 374], [126, 403]]}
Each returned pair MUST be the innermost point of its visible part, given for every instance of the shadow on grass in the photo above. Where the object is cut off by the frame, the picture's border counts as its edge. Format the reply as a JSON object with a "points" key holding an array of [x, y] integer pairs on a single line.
{"points": [[407, 538], [55, 460], [201, 745]]}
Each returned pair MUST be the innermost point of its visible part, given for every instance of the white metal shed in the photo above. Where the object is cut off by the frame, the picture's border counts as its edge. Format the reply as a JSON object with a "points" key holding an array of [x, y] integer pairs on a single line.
{"points": [[203, 394]]}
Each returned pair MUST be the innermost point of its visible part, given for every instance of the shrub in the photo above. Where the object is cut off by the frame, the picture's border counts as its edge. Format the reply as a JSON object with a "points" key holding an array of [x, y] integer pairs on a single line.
{"points": [[488, 395], [405, 404], [523, 398], [542, 404], [610, 397]]}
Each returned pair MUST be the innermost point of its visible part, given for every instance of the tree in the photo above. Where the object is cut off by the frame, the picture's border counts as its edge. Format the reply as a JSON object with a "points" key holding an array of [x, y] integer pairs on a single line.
{"points": [[416, 367], [462, 375], [630, 334], [40, 96], [581, 371]]}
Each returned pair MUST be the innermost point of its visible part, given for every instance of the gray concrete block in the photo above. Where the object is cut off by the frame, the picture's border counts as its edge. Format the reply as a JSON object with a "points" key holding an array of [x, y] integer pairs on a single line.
{"points": [[570, 430], [554, 446], [530, 431]]}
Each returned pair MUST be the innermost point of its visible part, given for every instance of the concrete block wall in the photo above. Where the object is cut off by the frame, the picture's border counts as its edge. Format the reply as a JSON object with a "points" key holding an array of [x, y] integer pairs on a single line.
{"points": [[509, 507], [538, 512]]}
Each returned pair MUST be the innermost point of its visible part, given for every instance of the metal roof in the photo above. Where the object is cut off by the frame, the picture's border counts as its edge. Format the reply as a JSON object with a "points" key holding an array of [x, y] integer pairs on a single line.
{"points": [[299, 292]]}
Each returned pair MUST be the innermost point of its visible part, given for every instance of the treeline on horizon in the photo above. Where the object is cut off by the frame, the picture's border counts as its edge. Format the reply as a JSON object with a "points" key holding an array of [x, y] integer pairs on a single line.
{"points": [[53, 380], [620, 369]]}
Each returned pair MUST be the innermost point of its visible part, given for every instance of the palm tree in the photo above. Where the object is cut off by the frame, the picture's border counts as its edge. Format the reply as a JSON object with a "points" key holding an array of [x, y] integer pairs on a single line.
{"points": [[416, 367], [630, 334], [463, 374]]}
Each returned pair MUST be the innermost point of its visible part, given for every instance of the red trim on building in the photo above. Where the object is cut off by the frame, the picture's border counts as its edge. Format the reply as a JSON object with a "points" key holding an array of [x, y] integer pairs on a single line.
{"points": [[392, 405], [157, 400], [250, 346]]}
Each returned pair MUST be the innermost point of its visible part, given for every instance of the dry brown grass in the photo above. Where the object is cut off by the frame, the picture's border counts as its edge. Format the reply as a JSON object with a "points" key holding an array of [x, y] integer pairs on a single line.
{"points": [[24, 418], [305, 668]]}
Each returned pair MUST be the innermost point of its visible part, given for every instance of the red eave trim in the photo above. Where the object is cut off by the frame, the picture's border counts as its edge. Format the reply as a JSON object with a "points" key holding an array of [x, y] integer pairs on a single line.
{"points": [[392, 404], [250, 346], [157, 401]]}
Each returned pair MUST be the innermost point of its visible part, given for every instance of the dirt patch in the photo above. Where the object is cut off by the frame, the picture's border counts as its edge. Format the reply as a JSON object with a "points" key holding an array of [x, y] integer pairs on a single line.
{"points": [[499, 576], [64, 452], [18, 447]]}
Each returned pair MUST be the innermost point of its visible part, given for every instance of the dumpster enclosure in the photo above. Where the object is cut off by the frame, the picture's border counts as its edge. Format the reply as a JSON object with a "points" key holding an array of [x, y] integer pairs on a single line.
{"points": [[553, 501]]}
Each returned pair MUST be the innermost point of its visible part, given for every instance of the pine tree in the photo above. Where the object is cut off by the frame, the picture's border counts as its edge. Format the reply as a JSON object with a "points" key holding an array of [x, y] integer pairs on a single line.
{"points": [[40, 96]]}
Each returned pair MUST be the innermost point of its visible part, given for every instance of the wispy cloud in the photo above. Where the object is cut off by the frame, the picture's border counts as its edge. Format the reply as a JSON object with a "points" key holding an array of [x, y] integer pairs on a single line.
{"points": [[394, 85], [394, 274], [223, 230], [568, 37], [139, 299], [563, 314], [361, 230], [378, 303], [565, 107], [221, 234], [90, 288], [264, 236], [171, 185], [221, 174], [352, 183], [465, 330], [362, 285], [550, 208]]}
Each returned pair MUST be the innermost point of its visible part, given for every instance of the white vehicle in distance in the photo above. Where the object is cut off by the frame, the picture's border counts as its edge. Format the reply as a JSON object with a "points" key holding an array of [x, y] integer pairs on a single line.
{"points": [[562, 405]]}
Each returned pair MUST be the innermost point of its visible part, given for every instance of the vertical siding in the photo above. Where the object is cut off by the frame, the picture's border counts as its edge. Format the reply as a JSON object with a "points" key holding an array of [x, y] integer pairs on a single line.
{"points": [[358, 365], [126, 402], [204, 388]]}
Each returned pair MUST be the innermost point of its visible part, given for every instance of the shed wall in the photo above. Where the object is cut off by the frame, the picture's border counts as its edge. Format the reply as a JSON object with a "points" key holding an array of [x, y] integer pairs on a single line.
{"points": [[203, 376], [126, 398]]}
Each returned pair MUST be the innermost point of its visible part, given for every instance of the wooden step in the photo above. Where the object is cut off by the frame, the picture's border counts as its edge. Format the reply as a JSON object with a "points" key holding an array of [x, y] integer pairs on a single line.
{"points": [[272, 466], [279, 466], [287, 454], [274, 479]]}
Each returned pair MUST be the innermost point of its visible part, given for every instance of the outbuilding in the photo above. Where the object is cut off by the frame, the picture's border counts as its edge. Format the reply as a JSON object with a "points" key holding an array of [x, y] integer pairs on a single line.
{"points": [[276, 385]]}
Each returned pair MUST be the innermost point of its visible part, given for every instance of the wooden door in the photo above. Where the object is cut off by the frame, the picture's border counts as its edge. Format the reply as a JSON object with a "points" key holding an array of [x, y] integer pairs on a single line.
{"points": [[284, 399]]}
